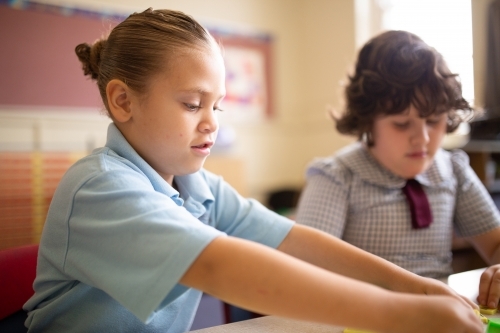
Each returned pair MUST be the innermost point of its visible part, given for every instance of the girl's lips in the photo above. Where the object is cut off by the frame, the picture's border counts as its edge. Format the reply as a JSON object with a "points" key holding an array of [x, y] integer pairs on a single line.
{"points": [[203, 149], [418, 154], [204, 145]]}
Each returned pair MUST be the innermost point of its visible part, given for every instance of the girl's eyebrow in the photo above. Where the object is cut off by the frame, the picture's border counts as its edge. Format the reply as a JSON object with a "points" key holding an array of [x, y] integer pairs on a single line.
{"points": [[398, 116], [201, 91]]}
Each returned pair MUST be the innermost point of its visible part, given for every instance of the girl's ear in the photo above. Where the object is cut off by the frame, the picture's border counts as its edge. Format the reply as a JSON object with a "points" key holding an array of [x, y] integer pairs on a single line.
{"points": [[119, 100]]}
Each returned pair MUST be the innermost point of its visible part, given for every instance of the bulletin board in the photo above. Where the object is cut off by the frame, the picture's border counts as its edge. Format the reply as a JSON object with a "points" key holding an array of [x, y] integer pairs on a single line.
{"points": [[38, 63], [249, 89], [41, 68]]}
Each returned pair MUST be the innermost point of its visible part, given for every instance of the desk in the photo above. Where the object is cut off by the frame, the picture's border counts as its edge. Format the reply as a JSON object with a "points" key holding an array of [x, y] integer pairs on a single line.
{"points": [[271, 324], [465, 283]]}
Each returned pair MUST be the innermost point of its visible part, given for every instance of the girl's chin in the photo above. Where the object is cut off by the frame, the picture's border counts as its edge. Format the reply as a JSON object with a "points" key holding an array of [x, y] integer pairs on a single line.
{"points": [[413, 173], [414, 169]]}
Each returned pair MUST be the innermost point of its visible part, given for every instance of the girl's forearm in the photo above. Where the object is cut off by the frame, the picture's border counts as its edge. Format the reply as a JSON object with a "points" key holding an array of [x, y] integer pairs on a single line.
{"points": [[260, 279], [333, 254]]}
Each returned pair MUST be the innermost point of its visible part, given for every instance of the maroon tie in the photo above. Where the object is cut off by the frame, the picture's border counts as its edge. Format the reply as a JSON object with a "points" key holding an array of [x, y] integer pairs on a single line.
{"points": [[421, 215]]}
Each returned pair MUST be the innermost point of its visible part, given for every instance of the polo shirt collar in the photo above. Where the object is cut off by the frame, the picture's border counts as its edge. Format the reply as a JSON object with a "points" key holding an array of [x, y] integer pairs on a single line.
{"points": [[198, 198], [357, 158], [195, 191]]}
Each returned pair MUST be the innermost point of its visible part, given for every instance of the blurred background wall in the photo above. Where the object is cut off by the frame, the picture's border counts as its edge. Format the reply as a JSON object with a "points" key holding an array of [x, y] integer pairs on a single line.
{"points": [[314, 46], [312, 50]]}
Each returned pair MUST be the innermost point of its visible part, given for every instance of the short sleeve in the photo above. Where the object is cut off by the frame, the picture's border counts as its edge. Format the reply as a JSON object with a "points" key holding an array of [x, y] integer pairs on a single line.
{"points": [[475, 211], [324, 201], [245, 218], [134, 243]]}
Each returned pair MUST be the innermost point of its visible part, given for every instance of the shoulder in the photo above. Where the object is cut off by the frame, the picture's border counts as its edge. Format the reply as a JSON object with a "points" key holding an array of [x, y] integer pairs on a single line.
{"points": [[98, 175], [104, 160], [459, 158], [329, 167], [459, 161], [354, 162], [466, 176], [455, 164], [454, 158], [101, 169]]}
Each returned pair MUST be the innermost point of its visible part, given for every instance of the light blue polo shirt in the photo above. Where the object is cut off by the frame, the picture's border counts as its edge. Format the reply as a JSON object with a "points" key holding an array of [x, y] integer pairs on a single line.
{"points": [[118, 238]]}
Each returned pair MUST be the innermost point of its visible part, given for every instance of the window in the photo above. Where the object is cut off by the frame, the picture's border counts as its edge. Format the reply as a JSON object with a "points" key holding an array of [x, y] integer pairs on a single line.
{"points": [[446, 25]]}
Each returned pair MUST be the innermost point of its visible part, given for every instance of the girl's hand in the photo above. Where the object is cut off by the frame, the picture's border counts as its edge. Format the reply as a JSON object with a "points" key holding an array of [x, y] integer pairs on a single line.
{"points": [[489, 287], [440, 314], [436, 287]]}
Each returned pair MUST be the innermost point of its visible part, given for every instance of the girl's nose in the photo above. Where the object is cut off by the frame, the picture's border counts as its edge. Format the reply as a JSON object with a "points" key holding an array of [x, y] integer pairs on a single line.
{"points": [[209, 122], [420, 134]]}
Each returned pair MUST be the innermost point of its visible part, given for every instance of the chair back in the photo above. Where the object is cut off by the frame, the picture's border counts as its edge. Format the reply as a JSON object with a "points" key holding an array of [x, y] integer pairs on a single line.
{"points": [[17, 273]]}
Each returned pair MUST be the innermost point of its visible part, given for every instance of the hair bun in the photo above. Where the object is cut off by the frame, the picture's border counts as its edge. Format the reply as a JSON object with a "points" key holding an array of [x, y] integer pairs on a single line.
{"points": [[90, 57]]}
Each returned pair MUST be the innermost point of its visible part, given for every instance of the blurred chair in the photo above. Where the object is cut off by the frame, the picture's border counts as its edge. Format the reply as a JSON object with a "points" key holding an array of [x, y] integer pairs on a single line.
{"points": [[18, 270], [284, 201]]}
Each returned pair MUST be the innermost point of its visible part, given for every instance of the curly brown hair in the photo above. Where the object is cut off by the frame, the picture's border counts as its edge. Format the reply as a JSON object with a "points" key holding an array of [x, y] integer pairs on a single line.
{"points": [[394, 70], [137, 49]]}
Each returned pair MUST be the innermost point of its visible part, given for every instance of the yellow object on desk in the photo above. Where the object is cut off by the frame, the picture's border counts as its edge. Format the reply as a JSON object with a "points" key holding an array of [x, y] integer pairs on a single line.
{"points": [[487, 311], [481, 316]]}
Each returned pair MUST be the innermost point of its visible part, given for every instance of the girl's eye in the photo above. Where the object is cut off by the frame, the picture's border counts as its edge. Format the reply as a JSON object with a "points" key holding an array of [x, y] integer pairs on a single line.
{"points": [[433, 121], [217, 109], [192, 107], [402, 125]]}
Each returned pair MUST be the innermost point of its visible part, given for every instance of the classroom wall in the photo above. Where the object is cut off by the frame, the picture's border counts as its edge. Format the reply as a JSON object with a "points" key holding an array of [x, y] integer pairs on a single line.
{"points": [[314, 47], [38, 58]]}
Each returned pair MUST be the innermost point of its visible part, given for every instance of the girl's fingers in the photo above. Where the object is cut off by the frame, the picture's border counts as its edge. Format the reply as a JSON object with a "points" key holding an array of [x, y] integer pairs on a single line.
{"points": [[484, 286], [469, 302], [489, 287], [494, 293]]}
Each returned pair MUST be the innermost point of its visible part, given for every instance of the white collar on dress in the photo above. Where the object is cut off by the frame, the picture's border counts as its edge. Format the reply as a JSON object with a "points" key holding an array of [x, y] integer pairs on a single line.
{"points": [[357, 158]]}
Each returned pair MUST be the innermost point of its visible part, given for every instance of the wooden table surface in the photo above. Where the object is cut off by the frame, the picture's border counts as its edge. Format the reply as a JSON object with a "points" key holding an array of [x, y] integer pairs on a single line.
{"points": [[271, 324], [465, 283]]}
